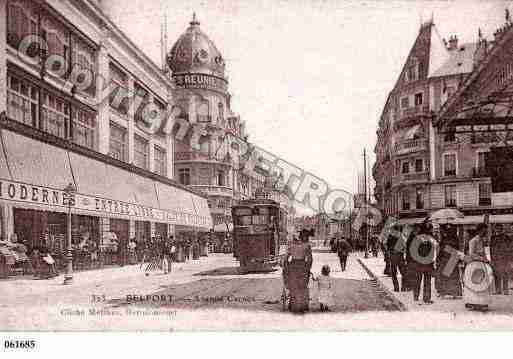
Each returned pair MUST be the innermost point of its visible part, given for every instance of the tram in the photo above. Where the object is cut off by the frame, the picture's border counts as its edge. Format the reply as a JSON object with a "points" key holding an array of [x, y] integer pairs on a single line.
{"points": [[258, 230]]}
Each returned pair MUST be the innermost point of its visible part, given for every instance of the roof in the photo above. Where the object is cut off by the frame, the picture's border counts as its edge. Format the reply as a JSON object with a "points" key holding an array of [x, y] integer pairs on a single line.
{"points": [[460, 61]]}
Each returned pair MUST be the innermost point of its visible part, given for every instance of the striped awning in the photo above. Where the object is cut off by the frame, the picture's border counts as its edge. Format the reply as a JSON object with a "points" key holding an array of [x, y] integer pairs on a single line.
{"points": [[34, 174]]}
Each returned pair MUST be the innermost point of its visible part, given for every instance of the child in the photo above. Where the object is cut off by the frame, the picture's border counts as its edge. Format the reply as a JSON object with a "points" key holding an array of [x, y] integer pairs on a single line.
{"points": [[325, 289]]}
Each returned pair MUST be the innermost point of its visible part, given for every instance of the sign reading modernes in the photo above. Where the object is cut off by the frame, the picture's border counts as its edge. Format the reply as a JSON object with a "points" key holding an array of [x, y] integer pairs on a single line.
{"points": [[21, 192]]}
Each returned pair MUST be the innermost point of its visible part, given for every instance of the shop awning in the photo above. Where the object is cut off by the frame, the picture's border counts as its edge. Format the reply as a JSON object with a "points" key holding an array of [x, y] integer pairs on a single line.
{"points": [[34, 174], [410, 221], [494, 218]]}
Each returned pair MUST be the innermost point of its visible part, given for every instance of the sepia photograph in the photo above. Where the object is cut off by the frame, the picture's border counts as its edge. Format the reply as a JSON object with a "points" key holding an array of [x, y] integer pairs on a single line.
{"points": [[187, 166]]}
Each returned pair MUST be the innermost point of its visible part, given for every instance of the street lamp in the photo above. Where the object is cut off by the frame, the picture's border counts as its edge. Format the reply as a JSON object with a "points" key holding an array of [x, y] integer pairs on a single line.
{"points": [[69, 200]]}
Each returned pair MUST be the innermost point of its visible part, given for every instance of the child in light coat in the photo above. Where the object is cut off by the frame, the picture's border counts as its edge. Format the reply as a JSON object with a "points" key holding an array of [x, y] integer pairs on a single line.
{"points": [[325, 286]]}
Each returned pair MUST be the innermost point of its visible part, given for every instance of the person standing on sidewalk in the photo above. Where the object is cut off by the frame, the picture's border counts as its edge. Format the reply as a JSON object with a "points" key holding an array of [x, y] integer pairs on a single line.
{"points": [[501, 252], [423, 259], [395, 251], [343, 250]]}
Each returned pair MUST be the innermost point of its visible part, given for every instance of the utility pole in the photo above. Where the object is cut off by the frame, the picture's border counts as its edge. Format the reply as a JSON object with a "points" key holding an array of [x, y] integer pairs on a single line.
{"points": [[365, 202]]}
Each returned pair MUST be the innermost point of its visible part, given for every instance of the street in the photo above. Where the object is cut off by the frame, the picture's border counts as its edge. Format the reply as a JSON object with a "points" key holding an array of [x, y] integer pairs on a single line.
{"points": [[208, 295]]}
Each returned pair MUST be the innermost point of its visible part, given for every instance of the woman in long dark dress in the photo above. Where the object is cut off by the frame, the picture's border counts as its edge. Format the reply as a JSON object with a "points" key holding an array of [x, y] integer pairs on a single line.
{"points": [[447, 283], [298, 263]]}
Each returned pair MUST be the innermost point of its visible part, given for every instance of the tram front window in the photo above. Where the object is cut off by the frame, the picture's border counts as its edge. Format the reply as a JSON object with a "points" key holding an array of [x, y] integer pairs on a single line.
{"points": [[243, 221]]}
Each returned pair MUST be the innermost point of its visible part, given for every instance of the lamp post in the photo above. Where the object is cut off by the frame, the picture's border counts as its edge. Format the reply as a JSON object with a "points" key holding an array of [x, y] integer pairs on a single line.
{"points": [[69, 200]]}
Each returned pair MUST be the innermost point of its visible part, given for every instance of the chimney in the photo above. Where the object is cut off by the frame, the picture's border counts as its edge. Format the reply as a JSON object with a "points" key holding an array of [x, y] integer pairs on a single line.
{"points": [[453, 42]]}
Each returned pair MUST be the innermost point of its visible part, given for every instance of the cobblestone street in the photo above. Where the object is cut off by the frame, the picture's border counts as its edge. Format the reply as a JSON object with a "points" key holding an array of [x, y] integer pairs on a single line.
{"points": [[189, 300]]}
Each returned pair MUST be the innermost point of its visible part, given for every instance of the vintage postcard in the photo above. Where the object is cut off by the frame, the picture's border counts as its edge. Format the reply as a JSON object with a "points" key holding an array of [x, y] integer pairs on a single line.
{"points": [[308, 165]]}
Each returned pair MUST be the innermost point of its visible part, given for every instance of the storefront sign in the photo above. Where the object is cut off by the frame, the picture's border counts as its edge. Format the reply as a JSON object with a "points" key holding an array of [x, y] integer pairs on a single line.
{"points": [[200, 81], [54, 199]]}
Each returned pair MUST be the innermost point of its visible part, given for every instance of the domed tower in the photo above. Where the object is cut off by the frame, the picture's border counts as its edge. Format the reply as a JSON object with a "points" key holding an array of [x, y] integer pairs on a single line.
{"points": [[204, 158]]}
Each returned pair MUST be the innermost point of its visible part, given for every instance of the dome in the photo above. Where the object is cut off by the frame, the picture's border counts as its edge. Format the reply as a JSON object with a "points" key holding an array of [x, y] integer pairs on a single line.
{"points": [[194, 52]]}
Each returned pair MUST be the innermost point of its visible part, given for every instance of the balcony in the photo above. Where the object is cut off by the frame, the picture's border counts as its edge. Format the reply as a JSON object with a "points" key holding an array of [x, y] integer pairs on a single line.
{"points": [[198, 156], [415, 111], [408, 178], [211, 190], [411, 145], [479, 172]]}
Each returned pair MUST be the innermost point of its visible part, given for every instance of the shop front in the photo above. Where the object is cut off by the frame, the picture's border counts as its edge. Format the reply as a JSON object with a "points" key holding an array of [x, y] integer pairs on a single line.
{"points": [[112, 202]]}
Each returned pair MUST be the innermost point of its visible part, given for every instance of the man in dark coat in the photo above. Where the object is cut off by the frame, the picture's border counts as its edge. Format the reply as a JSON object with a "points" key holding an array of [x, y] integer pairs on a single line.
{"points": [[343, 250], [423, 258], [395, 251]]}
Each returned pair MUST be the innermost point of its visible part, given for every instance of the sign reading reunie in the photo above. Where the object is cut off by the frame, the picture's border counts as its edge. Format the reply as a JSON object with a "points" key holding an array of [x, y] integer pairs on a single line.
{"points": [[200, 81]]}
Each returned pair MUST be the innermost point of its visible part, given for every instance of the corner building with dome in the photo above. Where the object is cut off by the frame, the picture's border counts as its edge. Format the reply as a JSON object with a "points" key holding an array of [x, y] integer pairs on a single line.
{"points": [[206, 159]]}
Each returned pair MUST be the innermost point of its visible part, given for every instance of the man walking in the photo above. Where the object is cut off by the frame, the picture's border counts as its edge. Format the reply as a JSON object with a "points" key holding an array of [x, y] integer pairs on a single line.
{"points": [[343, 249]]}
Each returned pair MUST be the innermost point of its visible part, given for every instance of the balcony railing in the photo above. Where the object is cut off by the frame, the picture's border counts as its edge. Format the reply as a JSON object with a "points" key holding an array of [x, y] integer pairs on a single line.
{"points": [[411, 145], [410, 177], [413, 111], [197, 155], [478, 172], [214, 190]]}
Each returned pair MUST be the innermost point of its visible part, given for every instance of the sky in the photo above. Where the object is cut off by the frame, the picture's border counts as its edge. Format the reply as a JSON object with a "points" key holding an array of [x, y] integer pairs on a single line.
{"points": [[310, 78]]}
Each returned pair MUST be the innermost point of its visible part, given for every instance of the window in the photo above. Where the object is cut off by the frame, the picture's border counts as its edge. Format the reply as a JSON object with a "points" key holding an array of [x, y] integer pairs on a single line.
{"points": [[405, 102], [161, 114], [221, 178], [450, 196], [204, 111], [221, 111], [485, 194], [118, 142], [118, 97], [481, 160], [54, 115], [418, 99], [184, 176], [450, 136], [405, 167], [22, 101], [83, 127], [204, 143], [405, 195], [411, 74], [419, 198], [83, 57], [140, 152], [160, 165], [397, 167], [57, 37], [22, 20], [142, 97], [419, 165], [450, 164]]}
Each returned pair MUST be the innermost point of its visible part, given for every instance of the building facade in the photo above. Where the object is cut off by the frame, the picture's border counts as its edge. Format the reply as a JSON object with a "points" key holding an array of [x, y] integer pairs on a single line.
{"points": [[407, 150], [441, 160], [75, 94]]}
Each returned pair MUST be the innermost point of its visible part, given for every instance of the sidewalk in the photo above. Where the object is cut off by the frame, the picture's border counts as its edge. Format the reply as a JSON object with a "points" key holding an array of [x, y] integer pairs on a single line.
{"points": [[502, 304]]}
